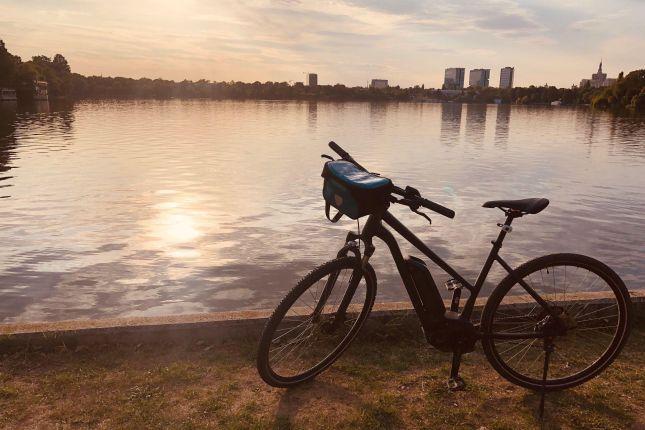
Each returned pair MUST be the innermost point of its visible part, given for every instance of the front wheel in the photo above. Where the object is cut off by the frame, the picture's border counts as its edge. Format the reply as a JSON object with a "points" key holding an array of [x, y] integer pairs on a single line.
{"points": [[592, 323], [316, 322]]}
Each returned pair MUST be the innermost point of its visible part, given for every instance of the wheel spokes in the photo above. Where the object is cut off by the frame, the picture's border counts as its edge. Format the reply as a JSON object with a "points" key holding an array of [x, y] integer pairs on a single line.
{"points": [[311, 330], [587, 322]]}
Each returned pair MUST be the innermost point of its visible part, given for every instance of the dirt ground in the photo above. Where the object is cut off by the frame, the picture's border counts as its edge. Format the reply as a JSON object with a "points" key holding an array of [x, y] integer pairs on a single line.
{"points": [[388, 379]]}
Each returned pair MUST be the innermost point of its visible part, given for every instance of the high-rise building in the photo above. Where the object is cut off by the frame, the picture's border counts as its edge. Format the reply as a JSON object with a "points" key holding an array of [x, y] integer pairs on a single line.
{"points": [[379, 83], [599, 76], [506, 76], [479, 78], [312, 79], [598, 79], [454, 78]]}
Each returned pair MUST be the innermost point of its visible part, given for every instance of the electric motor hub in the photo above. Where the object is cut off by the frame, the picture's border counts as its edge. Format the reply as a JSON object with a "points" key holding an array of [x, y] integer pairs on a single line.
{"points": [[453, 335]]}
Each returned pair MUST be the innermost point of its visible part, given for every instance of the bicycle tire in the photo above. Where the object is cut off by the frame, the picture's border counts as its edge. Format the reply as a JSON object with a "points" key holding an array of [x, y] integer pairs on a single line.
{"points": [[623, 325], [265, 370]]}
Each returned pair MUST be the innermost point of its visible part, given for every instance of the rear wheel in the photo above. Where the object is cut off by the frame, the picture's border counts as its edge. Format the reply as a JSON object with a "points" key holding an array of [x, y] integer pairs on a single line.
{"points": [[316, 322], [593, 311]]}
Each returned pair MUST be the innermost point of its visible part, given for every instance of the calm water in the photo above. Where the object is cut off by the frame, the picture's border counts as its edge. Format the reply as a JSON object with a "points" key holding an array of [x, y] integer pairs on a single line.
{"points": [[148, 208]]}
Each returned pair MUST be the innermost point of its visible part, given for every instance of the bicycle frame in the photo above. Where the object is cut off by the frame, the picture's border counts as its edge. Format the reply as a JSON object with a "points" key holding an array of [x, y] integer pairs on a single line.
{"points": [[375, 228]]}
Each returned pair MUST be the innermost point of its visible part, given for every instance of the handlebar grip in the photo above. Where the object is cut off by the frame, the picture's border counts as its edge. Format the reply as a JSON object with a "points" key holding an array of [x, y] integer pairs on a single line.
{"points": [[344, 154], [437, 208], [340, 151]]}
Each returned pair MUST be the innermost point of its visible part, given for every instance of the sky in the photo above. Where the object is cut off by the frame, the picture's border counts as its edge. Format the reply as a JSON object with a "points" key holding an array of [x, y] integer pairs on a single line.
{"points": [[408, 42]]}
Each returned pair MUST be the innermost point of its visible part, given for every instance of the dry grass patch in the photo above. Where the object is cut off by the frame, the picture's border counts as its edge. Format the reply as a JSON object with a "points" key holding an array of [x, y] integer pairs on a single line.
{"points": [[387, 381]]}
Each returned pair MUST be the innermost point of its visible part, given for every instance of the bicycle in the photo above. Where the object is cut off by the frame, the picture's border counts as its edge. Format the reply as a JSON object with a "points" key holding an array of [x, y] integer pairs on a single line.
{"points": [[531, 332]]}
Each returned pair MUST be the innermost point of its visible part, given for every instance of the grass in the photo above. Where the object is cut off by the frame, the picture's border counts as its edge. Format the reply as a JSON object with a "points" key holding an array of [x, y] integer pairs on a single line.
{"points": [[388, 381]]}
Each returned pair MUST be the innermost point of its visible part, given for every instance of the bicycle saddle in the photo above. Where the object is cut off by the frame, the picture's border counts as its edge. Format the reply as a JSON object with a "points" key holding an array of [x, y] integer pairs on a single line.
{"points": [[528, 206]]}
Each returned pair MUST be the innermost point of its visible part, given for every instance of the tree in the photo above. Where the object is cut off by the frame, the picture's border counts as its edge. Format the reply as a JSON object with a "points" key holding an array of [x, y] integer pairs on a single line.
{"points": [[26, 74], [8, 67], [60, 64], [626, 93], [41, 61], [638, 102]]}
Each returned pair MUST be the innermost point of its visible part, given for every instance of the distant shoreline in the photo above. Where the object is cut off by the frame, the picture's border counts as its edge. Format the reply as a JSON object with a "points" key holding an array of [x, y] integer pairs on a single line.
{"points": [[52, 77], [63, 101]]}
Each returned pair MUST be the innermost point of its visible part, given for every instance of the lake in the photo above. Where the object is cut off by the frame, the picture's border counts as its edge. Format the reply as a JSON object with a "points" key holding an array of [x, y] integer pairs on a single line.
{"points": [[136, 208]]}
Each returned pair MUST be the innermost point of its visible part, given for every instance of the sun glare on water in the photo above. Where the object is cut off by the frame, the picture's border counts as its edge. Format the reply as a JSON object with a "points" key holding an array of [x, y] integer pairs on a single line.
{"points": [[176, 226]]}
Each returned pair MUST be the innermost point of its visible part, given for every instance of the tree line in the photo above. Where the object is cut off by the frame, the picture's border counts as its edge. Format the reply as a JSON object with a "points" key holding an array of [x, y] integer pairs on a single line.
{"points": [[627, 93], [65, 84]]}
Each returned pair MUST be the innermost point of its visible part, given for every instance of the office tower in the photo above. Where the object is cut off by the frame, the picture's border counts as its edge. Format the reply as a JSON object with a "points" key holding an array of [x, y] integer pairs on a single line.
{"points": [[479, 78], [454, 78], [506, 76]]}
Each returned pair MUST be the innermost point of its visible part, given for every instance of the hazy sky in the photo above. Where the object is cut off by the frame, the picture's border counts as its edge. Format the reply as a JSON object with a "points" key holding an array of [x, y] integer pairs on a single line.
{"points": [[407, 41]]}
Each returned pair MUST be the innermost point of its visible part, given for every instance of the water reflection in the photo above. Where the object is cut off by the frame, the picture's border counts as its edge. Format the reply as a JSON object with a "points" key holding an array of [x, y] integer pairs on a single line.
{"points": [[450, 122], [502, 125], [312, 114], [8, 106], [177, 225], [41, 106], [36, 124], [475, 123], [145, 208], [592, 122], [7, 145], [624, 135], [378, 113], [7, 117]]}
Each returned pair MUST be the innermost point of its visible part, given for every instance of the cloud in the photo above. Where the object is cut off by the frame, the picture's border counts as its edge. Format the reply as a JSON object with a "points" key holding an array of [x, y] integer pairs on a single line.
{"points": [[399, 7], [594, 22], [507, 22], [348, 41]]}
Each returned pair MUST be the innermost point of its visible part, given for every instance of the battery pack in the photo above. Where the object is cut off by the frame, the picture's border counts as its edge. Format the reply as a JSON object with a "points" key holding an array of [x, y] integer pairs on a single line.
{"points": [[426, 288]]}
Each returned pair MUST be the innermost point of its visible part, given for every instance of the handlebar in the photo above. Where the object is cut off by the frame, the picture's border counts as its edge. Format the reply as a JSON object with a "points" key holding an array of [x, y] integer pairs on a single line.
{"points": [[344, 154], [340, 151], [449, 213], [410, 195]]}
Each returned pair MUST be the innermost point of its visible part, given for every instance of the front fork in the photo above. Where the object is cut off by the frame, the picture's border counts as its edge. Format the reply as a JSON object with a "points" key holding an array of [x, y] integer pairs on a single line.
{"points": [[351, 245]]}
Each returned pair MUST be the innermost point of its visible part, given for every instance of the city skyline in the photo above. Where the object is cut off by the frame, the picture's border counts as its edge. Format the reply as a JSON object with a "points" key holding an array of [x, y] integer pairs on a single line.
{"points": [[345, 41]]}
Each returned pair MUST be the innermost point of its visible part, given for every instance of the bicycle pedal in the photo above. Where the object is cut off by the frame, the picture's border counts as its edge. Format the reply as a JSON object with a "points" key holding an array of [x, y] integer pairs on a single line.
{"points": [[456, 384]]}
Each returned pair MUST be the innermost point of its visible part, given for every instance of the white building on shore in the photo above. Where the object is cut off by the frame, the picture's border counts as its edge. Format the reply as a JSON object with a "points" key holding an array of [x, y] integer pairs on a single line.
{"points": [[8, 95], [40, 91], [379, 83], [598, 79]]}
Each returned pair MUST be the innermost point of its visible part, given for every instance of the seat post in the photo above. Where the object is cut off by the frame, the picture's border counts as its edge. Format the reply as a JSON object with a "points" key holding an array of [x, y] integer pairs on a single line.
{"points": [[505, 228]]}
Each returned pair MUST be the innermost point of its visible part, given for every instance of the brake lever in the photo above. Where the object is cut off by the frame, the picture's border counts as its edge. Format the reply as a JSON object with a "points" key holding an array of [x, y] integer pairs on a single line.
{"points": [[412, 192], [326, 156], [418, 212]]}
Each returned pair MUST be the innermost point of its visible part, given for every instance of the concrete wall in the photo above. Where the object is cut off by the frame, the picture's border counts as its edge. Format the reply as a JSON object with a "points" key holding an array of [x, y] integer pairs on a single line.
{"points": [[211, 327]]}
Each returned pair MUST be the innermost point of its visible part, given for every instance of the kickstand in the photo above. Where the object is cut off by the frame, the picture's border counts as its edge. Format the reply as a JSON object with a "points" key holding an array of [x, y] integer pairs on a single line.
{"points": [[548, 349], [455, 383]]}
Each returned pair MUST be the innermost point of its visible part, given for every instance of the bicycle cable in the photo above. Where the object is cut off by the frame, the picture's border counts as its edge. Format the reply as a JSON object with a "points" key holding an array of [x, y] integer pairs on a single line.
{"points": [[358, 229]]}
